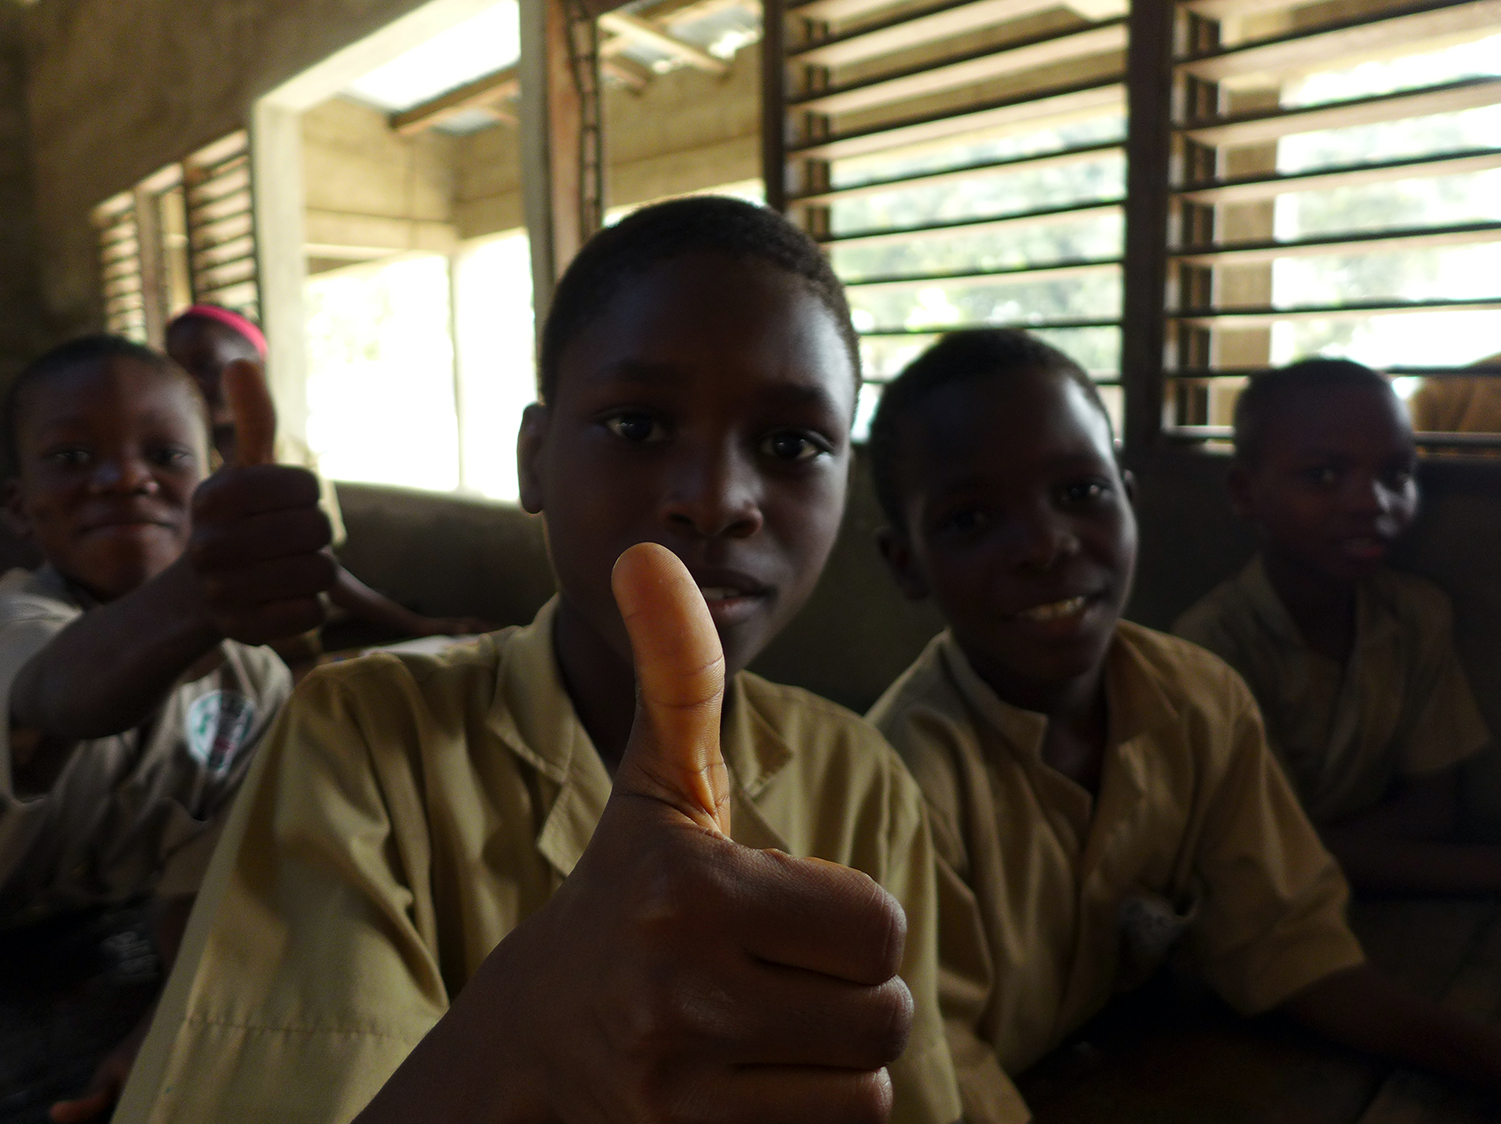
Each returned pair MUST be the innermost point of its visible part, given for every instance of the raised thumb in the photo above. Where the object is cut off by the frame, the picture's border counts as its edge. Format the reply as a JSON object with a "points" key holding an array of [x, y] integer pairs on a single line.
{"points": [[673, 753], [249, 401]]}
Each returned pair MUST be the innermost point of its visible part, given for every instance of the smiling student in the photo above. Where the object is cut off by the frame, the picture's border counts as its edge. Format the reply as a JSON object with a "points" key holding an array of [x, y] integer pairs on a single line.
{"points": [[434, 906], [1099, 792], [1352, 663], [134, 695]]}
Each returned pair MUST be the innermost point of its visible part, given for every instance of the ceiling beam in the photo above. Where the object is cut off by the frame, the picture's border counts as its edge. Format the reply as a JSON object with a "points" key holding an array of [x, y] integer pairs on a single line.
{"points": [[634, 28], [484, 93]]}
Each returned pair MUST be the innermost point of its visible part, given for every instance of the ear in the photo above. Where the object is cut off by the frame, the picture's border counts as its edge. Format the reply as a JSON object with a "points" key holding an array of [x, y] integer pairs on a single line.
{"points": [[1242, 492], [531, 446], [15, 508], [902, 563]]}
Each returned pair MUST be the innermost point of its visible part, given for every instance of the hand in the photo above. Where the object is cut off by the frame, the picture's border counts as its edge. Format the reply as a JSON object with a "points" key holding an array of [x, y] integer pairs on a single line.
{"points": [[453, 626], [109, 1078], [259, 538], [675, 975]]}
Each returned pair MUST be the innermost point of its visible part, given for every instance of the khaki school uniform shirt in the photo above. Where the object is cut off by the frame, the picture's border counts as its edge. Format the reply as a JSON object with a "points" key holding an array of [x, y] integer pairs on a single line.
{"points": [[136, 811], [1399, 705], [409, 811], [1053, 899]]}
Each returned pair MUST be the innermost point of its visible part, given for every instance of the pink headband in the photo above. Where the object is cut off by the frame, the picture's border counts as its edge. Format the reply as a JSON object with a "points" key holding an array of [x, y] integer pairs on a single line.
{"points": [[231, 320]]}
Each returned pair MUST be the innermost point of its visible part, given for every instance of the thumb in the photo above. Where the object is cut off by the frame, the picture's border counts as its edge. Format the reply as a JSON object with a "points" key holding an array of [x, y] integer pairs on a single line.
{"points": [[249, 399], [673, 754]]}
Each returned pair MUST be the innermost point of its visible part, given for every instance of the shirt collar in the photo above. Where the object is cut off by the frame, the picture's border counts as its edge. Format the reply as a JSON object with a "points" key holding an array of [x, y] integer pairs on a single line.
{"points": [[1136, 699], [1374, 618], [534, 718]]}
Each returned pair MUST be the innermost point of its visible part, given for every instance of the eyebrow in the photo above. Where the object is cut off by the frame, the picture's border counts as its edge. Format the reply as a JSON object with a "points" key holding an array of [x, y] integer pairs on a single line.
{"points": [[651, 375]]}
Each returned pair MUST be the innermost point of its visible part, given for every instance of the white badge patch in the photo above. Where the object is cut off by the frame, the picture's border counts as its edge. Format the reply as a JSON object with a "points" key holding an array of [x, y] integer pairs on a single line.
{"points": [[218, 725]]}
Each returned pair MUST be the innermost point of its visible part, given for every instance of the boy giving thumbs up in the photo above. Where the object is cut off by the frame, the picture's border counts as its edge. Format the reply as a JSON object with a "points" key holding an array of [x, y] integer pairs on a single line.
{"points": [[134, 693], [591, 869]]}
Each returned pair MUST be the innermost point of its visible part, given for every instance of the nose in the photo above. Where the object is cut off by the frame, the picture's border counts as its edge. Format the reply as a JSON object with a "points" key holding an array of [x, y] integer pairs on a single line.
{"points": [[712, 492], [1041, 538], [126, 475], [1367, 495]]}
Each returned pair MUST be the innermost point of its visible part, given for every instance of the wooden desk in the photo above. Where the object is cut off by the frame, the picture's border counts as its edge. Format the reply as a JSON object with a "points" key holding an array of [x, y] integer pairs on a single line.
{"points": [[1173, 1054]]}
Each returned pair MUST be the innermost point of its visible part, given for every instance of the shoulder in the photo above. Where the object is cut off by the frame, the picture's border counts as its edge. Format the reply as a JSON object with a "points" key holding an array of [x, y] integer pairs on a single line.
{"points": [[1214, 620], [35, 595], [1194, 681], [1417, 602], [924, 693], [380, 681]]}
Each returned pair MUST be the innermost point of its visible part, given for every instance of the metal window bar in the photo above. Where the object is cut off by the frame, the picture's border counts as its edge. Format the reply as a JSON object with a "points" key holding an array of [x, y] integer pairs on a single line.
{"points": [[221, 226], [1211, 137], [934, 120]]}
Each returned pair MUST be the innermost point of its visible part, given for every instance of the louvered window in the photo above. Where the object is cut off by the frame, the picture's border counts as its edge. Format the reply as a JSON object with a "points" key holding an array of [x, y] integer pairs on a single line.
{"points": [[182, 235], [220, 226], [120, 267], [1305, 179], [1337, 189]]}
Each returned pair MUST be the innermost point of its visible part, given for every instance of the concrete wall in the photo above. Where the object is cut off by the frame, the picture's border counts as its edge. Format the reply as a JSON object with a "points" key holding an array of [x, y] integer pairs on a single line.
{"points": [[22, 326], [370, 191], [686, 131], [118, 89]]}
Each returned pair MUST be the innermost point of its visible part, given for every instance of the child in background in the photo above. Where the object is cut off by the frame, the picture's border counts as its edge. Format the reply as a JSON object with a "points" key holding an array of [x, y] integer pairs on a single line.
{"points": [[207, 340], [432, 896], [1352, 664], [1098, 791], [134, 697]]}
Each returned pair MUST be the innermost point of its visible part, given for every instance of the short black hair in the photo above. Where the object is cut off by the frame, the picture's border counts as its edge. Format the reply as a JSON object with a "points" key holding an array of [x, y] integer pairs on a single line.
{"points": [[713, 223], [997, 353], [1271, 392], [83, 351]]}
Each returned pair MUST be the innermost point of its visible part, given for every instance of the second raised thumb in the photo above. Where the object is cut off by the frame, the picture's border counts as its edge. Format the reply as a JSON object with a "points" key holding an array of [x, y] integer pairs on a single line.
{"points": [[249, 398], [673, 755]]}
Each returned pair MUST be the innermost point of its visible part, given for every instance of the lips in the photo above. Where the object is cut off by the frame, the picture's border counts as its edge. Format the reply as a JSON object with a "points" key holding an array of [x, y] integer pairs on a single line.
{"points": [[1055, 610], [1364, 548], [732, 597]]}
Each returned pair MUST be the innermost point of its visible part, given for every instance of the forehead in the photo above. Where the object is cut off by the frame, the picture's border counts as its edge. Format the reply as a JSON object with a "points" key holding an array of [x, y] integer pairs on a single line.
{"points": [[1012, 428], [107, 392], [1348, 418], [707, 321]]}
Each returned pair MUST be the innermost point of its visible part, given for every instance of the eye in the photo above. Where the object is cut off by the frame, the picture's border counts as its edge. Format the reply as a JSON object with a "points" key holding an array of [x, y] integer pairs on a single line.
{"points": [[1084, 492], [1397, 478], [636, 427], [793, 448], [1321, 475], [964, 521], [172, 456], [70, 458]]}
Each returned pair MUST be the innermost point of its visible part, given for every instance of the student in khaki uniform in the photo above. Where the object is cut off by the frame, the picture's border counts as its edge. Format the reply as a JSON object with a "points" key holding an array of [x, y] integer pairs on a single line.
{"points": [[207, 340], [133, 700], [1352, 663], [1099, 792], [434, 896]]}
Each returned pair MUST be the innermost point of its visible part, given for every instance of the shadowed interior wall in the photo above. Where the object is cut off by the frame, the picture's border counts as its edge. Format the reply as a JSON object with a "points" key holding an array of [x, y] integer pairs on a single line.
{"points": [[22, 329]]}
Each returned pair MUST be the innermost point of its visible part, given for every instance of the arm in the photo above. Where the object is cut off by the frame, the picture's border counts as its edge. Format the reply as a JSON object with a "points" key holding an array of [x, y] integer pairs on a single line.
{"points": [[1362, 1008], [359, 600], [111, 667], [251, 572], [1402, 845]]}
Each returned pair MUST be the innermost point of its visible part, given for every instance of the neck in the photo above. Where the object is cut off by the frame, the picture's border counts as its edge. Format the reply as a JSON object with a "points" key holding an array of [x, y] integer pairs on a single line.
{"points": [[1076, 710], [601, 686], [1323, 608]]}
